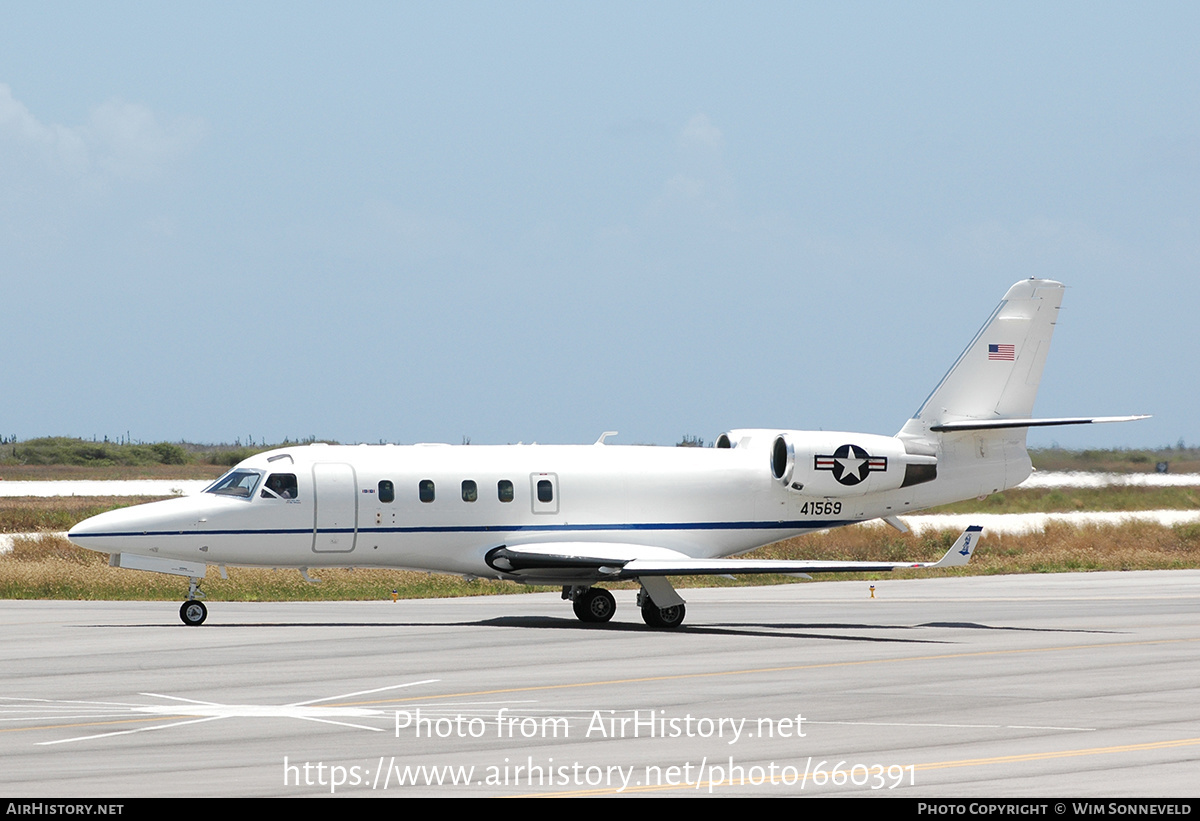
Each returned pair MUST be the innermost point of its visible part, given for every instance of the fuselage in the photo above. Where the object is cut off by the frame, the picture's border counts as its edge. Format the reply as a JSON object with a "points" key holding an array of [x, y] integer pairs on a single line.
{"points": [[442, 508]]}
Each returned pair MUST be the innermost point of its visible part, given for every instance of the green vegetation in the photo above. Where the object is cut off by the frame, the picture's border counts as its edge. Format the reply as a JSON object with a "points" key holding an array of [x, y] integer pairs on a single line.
{"points": [[61, 457], [49, 567], [1058, 548], [37, 514], [1069, 499], [1180, 459], [59, 450]]}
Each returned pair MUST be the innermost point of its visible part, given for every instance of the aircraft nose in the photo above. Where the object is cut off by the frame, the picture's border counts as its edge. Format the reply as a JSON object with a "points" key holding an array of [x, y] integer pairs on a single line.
{"points": [[86, 533], [85, 528], [110, 531], [128, 528]]}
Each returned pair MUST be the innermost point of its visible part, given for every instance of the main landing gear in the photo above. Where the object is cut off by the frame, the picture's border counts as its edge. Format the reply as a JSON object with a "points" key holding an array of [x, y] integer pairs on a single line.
{"points": [[596, 605], [656, 616], [193, 612]]}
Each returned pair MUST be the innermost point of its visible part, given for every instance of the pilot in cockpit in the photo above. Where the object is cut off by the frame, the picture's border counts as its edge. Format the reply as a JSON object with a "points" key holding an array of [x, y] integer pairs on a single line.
{"points": [[281, 485]]}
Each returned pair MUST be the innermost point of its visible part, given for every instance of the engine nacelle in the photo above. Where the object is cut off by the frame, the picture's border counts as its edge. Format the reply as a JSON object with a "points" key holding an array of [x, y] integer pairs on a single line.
{"points": [[828, 463]]}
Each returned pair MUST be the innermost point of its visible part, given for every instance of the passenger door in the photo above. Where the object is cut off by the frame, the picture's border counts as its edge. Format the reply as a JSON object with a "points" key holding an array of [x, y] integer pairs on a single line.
{"points": [[335, 516]]}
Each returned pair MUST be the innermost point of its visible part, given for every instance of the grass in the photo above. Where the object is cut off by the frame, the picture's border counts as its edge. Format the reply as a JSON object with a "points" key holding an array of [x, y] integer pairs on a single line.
{"points": [[51, 473], [39, 514], [46, 566], [1058, 548], [1070, 499], [1180, 459]]}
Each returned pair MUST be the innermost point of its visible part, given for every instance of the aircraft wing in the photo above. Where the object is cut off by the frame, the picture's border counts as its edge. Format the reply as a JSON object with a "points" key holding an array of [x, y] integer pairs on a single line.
{"points": [[619, 562]]}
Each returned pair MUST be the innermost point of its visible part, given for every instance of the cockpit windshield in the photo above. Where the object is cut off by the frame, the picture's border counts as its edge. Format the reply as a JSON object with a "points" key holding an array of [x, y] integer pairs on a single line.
{"points": [[236, 483]]}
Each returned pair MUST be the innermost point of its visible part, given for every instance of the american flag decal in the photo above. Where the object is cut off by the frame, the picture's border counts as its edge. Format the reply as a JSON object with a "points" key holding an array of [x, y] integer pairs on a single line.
{"points": [[1002, 353]]}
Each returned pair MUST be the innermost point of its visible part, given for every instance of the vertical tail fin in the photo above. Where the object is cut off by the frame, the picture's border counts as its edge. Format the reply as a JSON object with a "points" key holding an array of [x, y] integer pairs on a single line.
{"points": [[997, 376], [975, 421]]}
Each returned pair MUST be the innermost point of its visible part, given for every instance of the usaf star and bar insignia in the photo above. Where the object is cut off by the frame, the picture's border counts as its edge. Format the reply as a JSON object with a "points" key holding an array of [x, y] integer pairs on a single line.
{"points": [[850, 464]]}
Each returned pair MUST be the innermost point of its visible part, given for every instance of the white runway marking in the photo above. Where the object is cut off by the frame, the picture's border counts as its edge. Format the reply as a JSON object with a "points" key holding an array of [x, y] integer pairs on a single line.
{"points": [[114, 487], [1082, 479], [1019, 523], [203, 711]]}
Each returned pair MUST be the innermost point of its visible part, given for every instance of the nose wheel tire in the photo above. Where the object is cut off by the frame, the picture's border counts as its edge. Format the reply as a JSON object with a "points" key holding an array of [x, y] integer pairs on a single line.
{"points": [[662, 617], [193, 613], [596, 605]]}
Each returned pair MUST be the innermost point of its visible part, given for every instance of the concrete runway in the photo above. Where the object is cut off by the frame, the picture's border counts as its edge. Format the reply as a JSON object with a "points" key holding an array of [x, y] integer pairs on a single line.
{"points": [[1039, 686]]}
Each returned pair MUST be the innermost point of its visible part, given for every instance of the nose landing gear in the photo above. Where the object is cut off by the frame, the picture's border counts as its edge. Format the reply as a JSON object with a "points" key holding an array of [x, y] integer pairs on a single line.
{"points": [[193, 612]]}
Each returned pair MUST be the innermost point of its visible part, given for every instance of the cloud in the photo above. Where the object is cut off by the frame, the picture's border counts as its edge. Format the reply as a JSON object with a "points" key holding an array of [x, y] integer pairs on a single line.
{"points": [[60, 147], [120, 140], [129, 141], [701, 135], [702, 181]]}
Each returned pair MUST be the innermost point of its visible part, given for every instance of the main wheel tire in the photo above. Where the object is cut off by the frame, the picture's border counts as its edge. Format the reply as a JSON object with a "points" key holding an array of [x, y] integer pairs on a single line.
{"points": [[193, 613], [596, 605], [655, 616]]}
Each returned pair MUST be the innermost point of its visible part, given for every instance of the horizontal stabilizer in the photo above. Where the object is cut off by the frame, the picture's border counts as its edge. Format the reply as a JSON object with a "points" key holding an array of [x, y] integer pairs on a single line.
{"points": [[997, 424]]}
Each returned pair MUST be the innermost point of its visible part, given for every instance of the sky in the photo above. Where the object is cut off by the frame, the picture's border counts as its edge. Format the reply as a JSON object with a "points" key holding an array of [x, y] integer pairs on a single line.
{"points": [[528, 222]]}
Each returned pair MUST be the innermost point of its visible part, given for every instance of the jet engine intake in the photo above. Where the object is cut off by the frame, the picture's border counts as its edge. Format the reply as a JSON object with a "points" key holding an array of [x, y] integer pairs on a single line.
{"points": [[846, 464]]}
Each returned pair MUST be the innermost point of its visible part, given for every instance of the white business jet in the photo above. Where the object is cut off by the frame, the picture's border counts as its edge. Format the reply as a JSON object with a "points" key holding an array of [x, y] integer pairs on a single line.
{"points": [[579, 515]]}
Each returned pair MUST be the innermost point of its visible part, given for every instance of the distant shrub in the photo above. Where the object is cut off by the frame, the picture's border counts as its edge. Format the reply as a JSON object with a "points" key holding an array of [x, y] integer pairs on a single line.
{"points": [[169, 454], [232, 456], [61, 450]]}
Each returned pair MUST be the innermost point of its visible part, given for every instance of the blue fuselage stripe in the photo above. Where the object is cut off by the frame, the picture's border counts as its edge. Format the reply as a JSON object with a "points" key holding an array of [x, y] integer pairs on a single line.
{"points": [[568, 528]]}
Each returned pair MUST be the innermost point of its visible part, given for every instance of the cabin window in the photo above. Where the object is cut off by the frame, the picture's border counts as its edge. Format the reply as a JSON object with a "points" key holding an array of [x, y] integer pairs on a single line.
{"points": [[280, 486], [469, 491], [387, 491], [504, 490], [425, 488], [236, 483], [545, 490]]}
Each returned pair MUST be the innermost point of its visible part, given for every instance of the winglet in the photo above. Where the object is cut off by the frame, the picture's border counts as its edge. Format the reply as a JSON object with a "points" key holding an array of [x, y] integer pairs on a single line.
{"points": [[960, 552]]}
